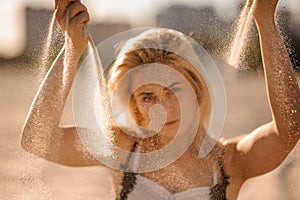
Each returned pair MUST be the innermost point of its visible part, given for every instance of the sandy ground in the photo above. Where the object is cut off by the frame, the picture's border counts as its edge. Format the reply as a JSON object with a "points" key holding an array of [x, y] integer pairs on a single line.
{"points": [[24, 176]]}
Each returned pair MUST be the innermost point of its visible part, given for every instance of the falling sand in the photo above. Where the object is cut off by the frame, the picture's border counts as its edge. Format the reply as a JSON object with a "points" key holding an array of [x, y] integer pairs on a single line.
{"points": [[102, 105], [241, 38], [236, 53], [47, 52], [51, 45], [237, 49]]}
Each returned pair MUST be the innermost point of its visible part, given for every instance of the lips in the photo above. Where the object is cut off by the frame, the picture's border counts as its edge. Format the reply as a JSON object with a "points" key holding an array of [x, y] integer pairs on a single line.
{"points": [[172, 122]]}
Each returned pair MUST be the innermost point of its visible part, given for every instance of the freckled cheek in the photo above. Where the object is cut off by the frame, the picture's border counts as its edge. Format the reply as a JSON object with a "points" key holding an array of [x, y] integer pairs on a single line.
{"points": [[190, 105], [141, 114], [173, 108], [177, 110], [144, 109]]}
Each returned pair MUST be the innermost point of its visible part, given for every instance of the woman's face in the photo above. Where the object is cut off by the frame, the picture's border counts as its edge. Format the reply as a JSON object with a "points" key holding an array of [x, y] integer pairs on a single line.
{"points": [[151, 94], [169, 90]]}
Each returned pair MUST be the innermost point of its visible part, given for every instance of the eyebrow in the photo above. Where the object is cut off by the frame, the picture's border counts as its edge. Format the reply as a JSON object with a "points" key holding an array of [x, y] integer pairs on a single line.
{"points": [[146, 93], [151, 93], [173, 84]]}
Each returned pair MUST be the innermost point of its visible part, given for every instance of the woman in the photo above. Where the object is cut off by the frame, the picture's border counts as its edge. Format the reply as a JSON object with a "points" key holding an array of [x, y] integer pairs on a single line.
{"points": [[222, 172]]}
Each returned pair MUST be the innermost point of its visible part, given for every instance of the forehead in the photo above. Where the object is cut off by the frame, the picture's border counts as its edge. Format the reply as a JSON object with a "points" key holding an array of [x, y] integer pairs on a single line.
{"points": [[154, 74]]}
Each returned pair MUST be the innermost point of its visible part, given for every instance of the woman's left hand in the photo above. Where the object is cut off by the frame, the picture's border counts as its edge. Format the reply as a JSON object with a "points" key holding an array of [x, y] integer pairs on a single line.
{"points": [[72, 17]]}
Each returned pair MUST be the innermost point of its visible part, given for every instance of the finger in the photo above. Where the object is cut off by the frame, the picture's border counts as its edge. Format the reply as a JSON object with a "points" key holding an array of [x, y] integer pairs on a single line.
{"points": [[76, 8], [80, 20], [249, 3], [62, 7]]}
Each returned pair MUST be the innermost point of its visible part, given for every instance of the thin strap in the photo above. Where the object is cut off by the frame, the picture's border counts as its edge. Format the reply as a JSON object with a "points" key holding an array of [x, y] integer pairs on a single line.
{"points": [[129, 178], [215, 175], [218, 192], [136, 160], [125, 165]]}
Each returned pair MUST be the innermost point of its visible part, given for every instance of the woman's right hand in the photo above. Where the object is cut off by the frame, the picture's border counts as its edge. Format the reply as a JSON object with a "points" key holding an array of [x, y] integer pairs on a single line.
{"points": [[72, 17]]}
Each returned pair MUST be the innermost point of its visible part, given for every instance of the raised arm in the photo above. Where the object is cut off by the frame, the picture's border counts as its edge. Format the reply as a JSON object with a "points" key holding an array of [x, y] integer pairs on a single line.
{"points": [[41, 133], [267, 146]]}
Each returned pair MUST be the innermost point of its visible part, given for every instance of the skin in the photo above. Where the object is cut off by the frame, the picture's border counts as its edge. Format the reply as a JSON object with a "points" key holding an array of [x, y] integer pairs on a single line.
{"points": [[244, 157], [148, 95]]}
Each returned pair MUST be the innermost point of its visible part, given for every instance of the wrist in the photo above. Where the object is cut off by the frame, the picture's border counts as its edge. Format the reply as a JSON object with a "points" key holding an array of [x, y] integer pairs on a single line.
{"points": [[72, 53], [265, 22], [76, 43], [263, 12]]}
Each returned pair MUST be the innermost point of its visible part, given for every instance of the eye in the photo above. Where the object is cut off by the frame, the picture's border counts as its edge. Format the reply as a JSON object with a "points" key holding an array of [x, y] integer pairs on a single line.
{"points": [[148, 97], [175, 90]]}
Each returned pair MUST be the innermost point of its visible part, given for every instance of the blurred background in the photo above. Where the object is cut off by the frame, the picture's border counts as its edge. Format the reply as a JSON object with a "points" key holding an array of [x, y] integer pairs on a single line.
{"points": [[24, 29]]}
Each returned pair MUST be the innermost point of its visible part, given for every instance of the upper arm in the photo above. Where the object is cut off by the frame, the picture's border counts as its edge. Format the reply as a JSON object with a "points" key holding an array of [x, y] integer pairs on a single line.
{"points": [[261, 151]]}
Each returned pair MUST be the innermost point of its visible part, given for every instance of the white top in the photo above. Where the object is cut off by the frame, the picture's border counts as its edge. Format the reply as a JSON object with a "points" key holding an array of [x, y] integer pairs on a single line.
{"points": [[147, 189]]}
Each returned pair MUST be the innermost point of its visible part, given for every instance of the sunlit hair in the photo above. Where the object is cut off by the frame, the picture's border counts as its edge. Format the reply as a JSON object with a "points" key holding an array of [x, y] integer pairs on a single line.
{"points": [[162, 46]]}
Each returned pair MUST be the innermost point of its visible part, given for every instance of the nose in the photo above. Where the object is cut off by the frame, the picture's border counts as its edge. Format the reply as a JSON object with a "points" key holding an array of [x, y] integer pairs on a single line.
{"points": [[167, 103]]}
